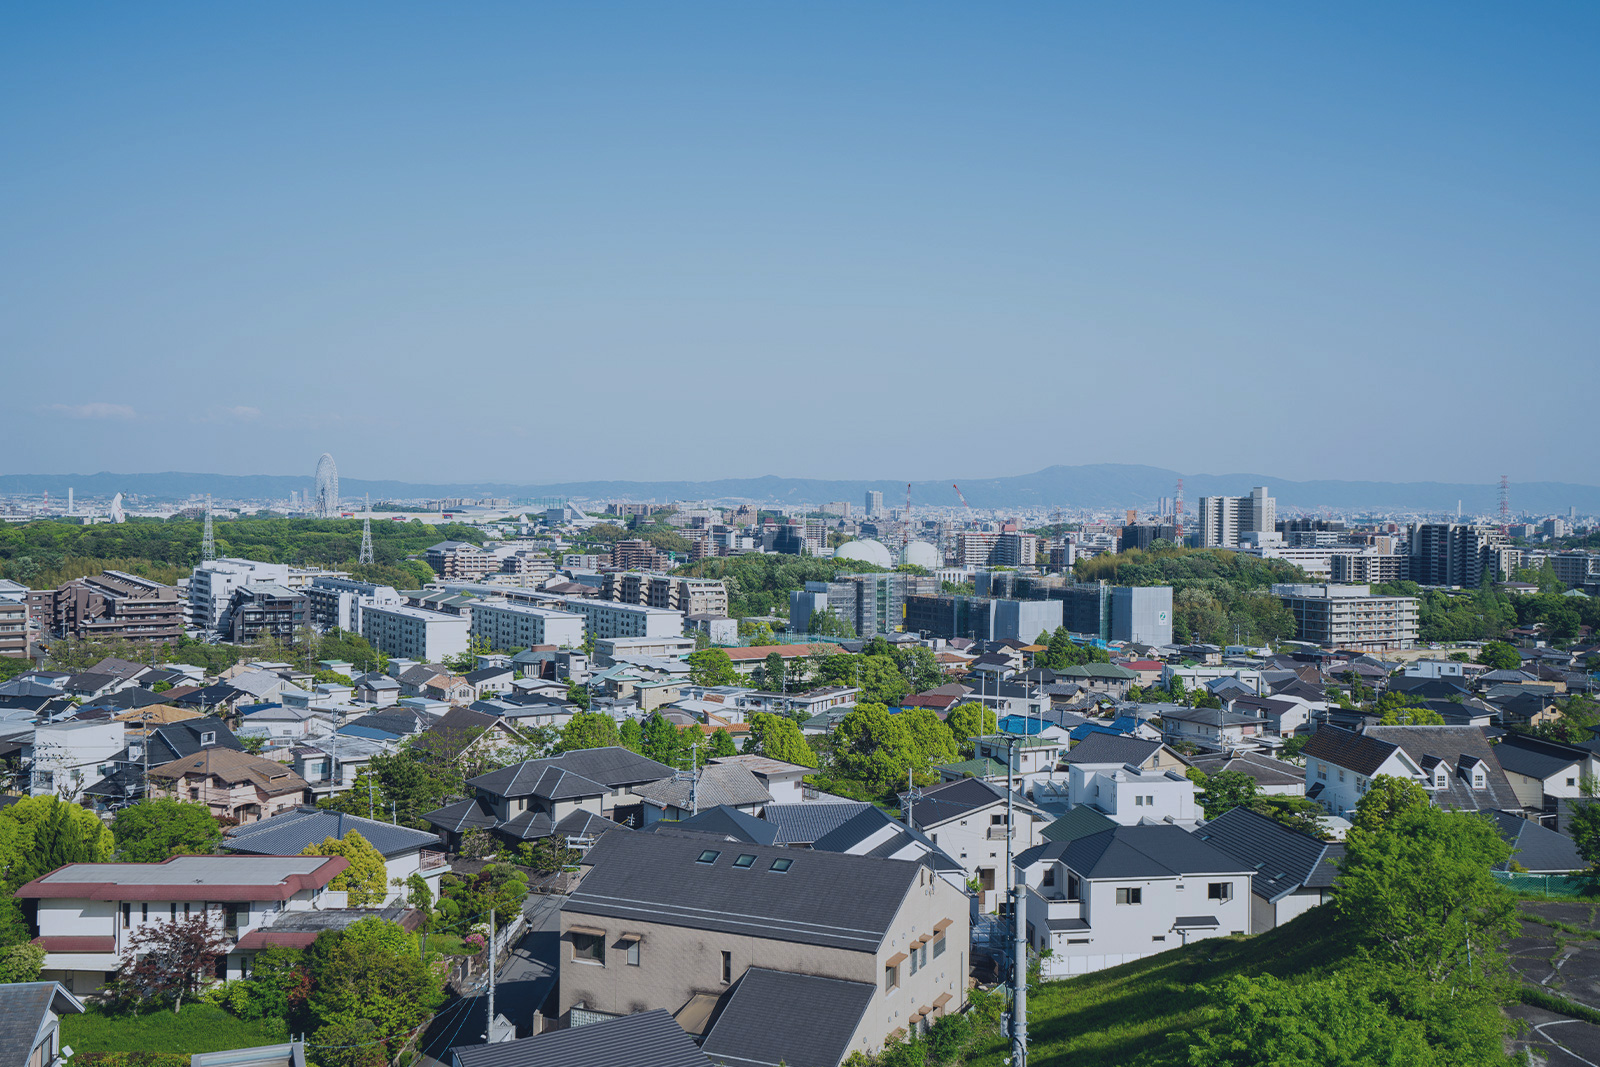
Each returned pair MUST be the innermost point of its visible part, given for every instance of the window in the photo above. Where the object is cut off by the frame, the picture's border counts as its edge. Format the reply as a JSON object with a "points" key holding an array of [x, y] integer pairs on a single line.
{"points": [[174, 912], [727, 967], [1341, 774], [127, 914], [891, 979], [997, 820], [1322, 771], [144, 913], [924, 952], [633, 953], [781, 865], [1219, 891], [1572, 781], [938, 947], [1159, 937], [209, 737], [1138, 802], [745, 860], [708, 856], [1149, 801], [913, 962], [591, 947], [1130, 896], [1074, 887], [1049, 877]]}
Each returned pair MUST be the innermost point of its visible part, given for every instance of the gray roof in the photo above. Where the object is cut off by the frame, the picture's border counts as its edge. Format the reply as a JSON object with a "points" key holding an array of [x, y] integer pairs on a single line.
{"points": [[1453, 745], [1264, 769], [870, 822], [1144, 852], [1535, 758], [646, 1039], [799, 1020], [1106, 748], [719, 783], [824, 898], [288, 834], [958, 798], [1536, 848], [727, 822], [610, 767], [803, 823], [22, 1008], [1081, 821], [1282, 860]]}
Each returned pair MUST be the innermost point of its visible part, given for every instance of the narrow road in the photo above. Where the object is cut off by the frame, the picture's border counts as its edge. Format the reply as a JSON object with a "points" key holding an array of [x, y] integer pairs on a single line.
{"points": [[521, 986]]}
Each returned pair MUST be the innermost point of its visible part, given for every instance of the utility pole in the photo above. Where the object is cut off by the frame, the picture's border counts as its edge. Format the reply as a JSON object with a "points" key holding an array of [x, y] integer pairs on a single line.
{"points": [[1019, 943], [488, 1030]]}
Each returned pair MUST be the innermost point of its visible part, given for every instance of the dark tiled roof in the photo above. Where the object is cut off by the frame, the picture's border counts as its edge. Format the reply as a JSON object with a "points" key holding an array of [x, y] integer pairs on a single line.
{"points": [[800, 1020], [647, 1039], [801, 824], [823, 898], [288, 834], [1267, 772], [954, 799], [611, 767], [1081, 821], [22, 1008], [461, 816], [719, 783], [457, 729], [1358, 752], [1453, 744], [902, 841], [1282, 860], [485, 674], [1535, 758], [1144, 852], [1105, 748], [730, 822], [1537, 848]]}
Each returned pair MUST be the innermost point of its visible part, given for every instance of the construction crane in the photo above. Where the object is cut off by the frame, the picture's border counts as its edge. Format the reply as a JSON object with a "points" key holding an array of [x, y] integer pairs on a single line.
{"points": [[963, 498], [907, 515]]}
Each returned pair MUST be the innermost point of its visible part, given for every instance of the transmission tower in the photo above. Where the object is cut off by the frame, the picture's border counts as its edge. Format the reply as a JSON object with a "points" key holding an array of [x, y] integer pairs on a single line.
{"points": [[1177, 511], [366, 534], [208, 543], [1505, 504]]}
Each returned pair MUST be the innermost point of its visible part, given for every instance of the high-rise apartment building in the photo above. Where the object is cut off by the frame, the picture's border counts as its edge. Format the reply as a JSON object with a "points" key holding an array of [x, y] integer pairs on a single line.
{"points": [[874, 503], [1349, 616], [1452, 553], [870, 603], [1223, 519], [112, 605]]}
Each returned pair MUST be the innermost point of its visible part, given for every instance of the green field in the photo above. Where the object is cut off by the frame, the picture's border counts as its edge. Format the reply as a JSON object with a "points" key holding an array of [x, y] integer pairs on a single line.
{"points": [[1138, 1014], [197, 1028]]}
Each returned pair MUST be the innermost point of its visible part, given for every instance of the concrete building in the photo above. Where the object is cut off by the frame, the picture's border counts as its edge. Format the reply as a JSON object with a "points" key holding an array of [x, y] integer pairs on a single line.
{"points": [[112, 606], [1349, 616], [870, 603], [1144, 534], [67, 758], [13, 627], [1142, 614], [212, 585], [1450, 553], [1368, 567], [606, 619], [415, 633], [981, 618], [336, 603], [639, 555], [609, 650], [1223, 519], [874, 503], [692, 596], [267, 610], [460, 559], [509, 627]]}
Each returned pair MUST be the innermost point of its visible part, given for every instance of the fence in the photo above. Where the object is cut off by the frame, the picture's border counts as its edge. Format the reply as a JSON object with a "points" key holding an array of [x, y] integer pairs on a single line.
{"points": [[1563, 886]]}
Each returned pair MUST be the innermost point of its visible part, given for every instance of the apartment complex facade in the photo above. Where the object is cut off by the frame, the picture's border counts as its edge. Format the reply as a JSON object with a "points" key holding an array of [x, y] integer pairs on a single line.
{"points": [[1225, 519], [421, 634], [692, 596], [213, 583], [111, 605], [336, 603], [1458, 554], [508, 626], [1349, 616], [870, 603]]}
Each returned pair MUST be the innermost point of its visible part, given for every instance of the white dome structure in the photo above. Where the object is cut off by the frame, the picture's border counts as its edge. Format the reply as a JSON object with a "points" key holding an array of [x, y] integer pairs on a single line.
{"points": [[921, 554], [865, 551]]}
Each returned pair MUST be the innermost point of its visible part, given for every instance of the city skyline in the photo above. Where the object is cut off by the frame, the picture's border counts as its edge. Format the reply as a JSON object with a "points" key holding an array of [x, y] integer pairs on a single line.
{"points": [[1175, 236]]}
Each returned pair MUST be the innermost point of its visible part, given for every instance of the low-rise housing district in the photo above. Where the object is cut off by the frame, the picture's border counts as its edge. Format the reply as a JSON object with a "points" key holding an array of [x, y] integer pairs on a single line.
{"points": [[734, 912]]}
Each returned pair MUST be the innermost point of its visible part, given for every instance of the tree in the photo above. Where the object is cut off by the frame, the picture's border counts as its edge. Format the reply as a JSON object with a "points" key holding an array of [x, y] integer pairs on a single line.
{"points": [[152, 830], [712, 667], [875, 748], [936, 745], [970, 720], [171, 958], [779, 738], [880, 680], [548, 855], [1500, 656], [1585, 831], [1226, 790], [828, 623], [366, 879], [1402, 709], [661, 740], [578, 693], [369, 981], [920, 667], [1420, 888], [774, 667], [1388, 797], [40, 834], [588, 729], [21, 963], [722, 744], [631, 734]]}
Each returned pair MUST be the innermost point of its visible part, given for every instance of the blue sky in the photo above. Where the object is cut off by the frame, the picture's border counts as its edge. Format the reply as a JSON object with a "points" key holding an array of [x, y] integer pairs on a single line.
{"points": [[534, 241]]}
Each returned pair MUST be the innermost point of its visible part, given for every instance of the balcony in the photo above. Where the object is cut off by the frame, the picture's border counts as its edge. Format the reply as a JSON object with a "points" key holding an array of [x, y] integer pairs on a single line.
{"points": [[430, 860], [998, 833]]}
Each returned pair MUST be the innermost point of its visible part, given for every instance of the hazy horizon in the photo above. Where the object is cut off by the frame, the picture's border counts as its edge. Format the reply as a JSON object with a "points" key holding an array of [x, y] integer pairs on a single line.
{"points": [[533, 245]]}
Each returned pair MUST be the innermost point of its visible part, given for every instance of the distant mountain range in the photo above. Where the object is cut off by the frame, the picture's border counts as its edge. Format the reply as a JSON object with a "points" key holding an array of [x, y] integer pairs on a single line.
{"points": [[1104, 485]]}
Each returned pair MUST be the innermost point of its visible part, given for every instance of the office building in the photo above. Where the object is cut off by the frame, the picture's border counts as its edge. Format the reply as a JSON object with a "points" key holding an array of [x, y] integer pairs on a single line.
{"points": [[509, 627], [1349, 616], [870, 603], [110, 605], [212, 585], [874, 503], [1224, 518]]}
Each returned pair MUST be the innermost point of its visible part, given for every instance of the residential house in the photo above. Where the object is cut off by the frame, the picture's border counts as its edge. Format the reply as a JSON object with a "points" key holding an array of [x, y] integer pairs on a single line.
{"points": [[970, 820], [405, 851], [805, 823], [763, 949], [1455, 764], [153, 746], [1535, 848], [1211, 727], [282, 728], [88, 913], [471, 738], [487, 681], [234, 785], [716, 785], [874, 832], [642, 1039], [378, 689], [1108, 678], [1291, 872], [784, 781], [67, 758], [452, 688], [1273, 777], [537, 798], [1543, 772], [1128, 795], [30, 1023], [1126, 893]]}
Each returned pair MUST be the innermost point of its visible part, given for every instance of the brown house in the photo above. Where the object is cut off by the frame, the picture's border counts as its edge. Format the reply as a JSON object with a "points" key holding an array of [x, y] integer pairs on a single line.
{"points": [[233, 784]]}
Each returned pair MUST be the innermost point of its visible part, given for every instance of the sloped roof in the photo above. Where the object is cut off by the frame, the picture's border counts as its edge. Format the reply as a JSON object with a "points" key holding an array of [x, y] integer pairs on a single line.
{"points": [[462, 816], [1452, 744], [954, 799], [1267, 772], [1536, 758], [1363, 753], [727, 822], [454, 731], [803, 823], [644, 1039], [611, 767], [1081, 821], [1146, 851], [273, 779], [22, 1008], [902, 842], [718, 784], [1109, 748], [775, 1017], [822, 898], [1281, 860], [289, 833], [1538, 849]]}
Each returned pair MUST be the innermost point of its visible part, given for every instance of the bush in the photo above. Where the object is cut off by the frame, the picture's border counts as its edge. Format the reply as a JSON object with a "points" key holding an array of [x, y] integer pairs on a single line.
{"points": [[132, 1059], [949, 1037]]}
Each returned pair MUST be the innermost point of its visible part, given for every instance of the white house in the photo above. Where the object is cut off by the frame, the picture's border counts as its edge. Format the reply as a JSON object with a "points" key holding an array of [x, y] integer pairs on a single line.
{"points": [[784, 781], [1294, 872], [1129, 892], [967, 820], [405, 851], [68, 757], [1129, 795], [88, 913], [1455, 764]]}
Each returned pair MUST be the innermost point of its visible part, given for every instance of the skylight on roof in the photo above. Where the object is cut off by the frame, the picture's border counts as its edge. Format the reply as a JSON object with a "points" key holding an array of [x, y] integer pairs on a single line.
{"points": [[708, 856], [745, 860], [781, 865]]}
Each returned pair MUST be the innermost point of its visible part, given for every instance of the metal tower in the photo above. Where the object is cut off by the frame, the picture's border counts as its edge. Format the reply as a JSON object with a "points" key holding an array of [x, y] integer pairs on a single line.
{"points": [[366, 534], [1505, 504], [1177, 511], [208, 543]]}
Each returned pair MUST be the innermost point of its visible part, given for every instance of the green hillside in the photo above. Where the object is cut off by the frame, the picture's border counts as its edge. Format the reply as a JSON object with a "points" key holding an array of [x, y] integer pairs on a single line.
{"points": [[1140, 1013]]}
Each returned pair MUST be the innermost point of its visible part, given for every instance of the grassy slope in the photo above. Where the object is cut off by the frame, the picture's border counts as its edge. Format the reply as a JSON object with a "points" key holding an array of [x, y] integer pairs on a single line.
{"points": [[1138, 1014], [197, 1028]]}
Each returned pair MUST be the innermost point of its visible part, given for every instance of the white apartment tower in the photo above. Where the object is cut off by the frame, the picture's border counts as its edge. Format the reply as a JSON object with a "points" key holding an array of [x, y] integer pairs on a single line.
{"points": [[1224, 518]]}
